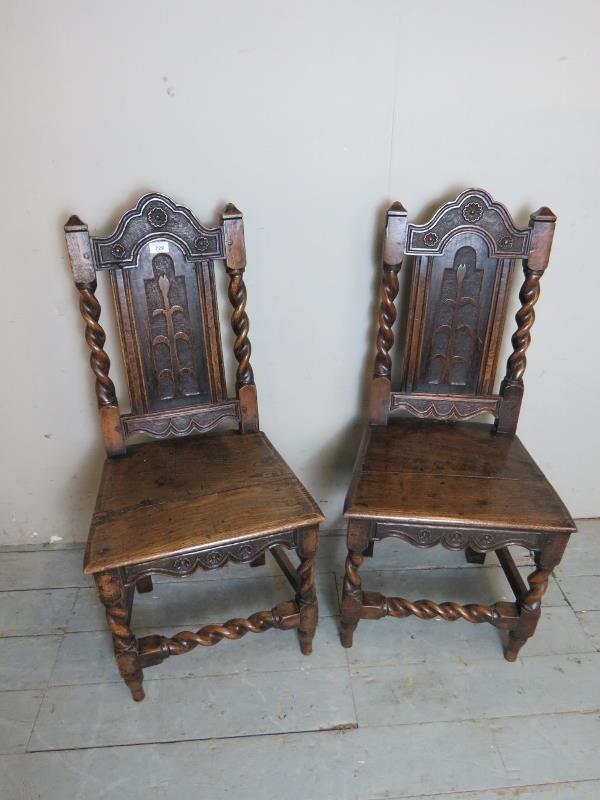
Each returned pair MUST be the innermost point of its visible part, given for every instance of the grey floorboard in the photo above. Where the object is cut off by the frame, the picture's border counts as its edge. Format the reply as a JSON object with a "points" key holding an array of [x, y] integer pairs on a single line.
{"points": [[42, 569], [582, 591], [441, 715], [194, 708], [26, 662], [417, 693], [578, 790], [367, 764], [582, 556], [18, 711], [36, 612], [590, 622]]}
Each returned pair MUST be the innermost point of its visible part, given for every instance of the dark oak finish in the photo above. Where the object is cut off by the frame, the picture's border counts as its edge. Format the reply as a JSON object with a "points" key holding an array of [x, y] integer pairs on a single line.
{"points": [[184, 502], [429, 477]]}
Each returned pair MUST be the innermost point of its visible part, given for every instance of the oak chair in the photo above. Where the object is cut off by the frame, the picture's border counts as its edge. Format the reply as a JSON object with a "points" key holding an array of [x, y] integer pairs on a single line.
{"points": [[185, 502], [429, 477]]}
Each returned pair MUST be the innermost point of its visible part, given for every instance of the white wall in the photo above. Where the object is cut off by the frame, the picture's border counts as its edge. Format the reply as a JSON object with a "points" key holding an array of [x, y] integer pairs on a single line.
{"points": [[311, 117]]}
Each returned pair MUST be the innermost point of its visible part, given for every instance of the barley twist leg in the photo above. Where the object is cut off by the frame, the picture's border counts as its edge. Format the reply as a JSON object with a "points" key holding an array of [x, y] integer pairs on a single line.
{"points": [[114, 597], [306, 597]]}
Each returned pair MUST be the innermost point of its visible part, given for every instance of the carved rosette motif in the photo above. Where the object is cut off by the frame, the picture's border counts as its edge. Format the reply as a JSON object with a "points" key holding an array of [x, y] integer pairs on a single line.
{"points": [[241, 552], [458, 538], [155, 216], [472, 210]]}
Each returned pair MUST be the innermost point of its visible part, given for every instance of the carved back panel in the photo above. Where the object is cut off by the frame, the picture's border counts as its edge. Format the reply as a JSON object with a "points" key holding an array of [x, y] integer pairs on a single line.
{"points": [[463, 259], [161, 265]]}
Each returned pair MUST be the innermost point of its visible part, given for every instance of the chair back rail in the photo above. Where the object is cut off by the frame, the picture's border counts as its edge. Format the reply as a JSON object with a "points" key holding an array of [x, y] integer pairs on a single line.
{"points": [[463, 260], [160, 260]]}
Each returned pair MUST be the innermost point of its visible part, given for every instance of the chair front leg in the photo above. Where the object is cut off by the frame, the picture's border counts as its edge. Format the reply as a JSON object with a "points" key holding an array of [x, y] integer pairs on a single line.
{"points": [[117, 600], [352, 600], [306, 596], [530, 605]]}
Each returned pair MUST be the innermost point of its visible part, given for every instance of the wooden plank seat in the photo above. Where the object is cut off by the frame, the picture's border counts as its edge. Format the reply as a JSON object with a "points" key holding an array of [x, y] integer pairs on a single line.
{"points": [[184, 496], [453, 473]]}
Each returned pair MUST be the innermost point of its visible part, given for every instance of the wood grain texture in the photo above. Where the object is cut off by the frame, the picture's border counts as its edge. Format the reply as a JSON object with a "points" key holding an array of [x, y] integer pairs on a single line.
{"points": [[171, 497], [454, 473]]}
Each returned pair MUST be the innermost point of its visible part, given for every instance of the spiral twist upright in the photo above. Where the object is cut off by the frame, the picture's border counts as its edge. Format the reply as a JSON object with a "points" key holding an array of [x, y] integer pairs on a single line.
{"points": [[95, 338], [113, 596], [240, 324], [538, 584], [387, 317], [525, 317], [352, 578]]}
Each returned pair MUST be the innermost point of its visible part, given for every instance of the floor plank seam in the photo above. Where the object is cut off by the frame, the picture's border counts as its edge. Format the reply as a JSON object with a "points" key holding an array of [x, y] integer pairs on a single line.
{"points": [[47, 686], [354, 670], [476, 792], [335, 729], [118, 681], [590, 712], [588, 636]]}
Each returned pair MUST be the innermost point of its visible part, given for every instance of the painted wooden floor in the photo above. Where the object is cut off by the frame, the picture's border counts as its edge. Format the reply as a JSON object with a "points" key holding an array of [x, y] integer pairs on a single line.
{"points": [[414, 710]]}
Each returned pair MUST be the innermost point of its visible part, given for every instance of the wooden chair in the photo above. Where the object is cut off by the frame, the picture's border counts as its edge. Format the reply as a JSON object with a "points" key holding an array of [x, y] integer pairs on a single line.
{"points": [[173, 506], [430, 477]]}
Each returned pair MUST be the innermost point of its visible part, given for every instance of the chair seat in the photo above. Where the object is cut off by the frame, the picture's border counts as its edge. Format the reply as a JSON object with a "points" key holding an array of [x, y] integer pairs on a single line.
{"points": [[170, 497], [452, 473]]}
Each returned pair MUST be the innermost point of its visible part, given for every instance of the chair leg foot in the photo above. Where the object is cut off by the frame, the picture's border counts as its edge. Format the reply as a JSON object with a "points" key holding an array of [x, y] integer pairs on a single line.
{"points": [[137, 693], [136, 689], [473, 557], [530, 604], [116, 599], [347, 633], [514, 644], [306, 597], [306, 633], [144, 584]]}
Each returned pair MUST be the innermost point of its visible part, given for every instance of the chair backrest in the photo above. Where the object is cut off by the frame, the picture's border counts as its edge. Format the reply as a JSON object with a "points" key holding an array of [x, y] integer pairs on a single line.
{"points": [[463, 259], [160, 263]]}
